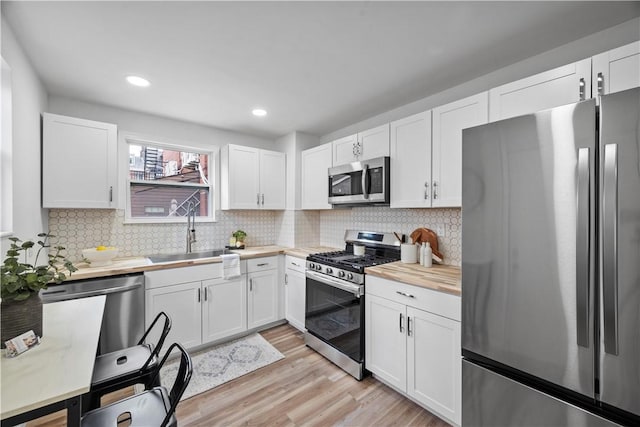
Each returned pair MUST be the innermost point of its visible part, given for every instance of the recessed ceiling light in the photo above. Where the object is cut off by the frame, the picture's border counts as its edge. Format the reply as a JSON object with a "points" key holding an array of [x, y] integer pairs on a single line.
{"points": [[138, 81], [259, 112]]}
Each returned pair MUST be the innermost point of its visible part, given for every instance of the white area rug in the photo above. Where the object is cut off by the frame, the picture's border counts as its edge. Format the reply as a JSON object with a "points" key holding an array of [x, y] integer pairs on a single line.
{"points": [[223, 363]]}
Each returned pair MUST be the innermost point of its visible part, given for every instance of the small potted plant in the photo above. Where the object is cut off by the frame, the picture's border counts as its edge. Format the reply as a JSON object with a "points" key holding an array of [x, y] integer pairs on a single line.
{"points": [[239, 236], [21, 283]]}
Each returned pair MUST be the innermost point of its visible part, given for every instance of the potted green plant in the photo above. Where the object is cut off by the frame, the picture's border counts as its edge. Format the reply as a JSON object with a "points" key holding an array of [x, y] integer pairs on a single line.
{"points": [[240, 236], [21, 283]]}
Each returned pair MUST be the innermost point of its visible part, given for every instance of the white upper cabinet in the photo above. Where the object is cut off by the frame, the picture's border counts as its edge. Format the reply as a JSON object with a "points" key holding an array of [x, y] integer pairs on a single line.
{"points": [[446, 163], [560, 86], [79, 163], [411, 161], [617, 69], [344, 149], [272, 180], [365, 145], [315, 164], [374, 142], [252, 178]]}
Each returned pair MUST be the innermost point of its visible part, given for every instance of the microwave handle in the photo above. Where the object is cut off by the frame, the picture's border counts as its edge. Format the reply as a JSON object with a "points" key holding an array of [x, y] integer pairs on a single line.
{"points": [[365, 181]]}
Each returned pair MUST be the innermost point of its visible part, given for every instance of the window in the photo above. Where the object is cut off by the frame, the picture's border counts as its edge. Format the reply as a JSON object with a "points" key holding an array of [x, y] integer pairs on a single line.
{"points": [[166, 181]]}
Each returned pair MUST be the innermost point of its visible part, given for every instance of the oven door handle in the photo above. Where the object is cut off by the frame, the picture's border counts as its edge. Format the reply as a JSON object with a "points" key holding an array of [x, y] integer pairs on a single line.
{"points": [[357, 290]]}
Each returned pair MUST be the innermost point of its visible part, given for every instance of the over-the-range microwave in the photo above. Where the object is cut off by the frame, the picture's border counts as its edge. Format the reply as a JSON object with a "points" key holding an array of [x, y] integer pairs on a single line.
{"points": [[365, 182]]}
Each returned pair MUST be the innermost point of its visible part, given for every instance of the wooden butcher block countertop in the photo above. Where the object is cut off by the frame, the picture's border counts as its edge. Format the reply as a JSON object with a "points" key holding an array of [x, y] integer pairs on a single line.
{"points": [[130, 265], [443, 278], [306, 251]]}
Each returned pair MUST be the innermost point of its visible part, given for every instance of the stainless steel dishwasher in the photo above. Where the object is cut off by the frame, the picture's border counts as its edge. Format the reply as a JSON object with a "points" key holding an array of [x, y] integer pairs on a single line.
{"points": [[123, 319]]}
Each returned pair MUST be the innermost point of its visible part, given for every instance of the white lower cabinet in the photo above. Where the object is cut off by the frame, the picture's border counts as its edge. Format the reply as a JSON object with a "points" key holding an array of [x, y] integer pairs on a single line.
{"points": [[224, 309], [413, 346], [263, 296], [181, 303], [204, 307], [295, 292]]}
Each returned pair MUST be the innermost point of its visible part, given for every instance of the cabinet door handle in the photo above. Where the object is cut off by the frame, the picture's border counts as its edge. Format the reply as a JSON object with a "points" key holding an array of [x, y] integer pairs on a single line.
{"points": [[405, 294], [600, 81], [205, 294], [262, 264], [435, 190], [262, 199], [426, 190], [250, 285], [286, 279], [297, 265], [582, 86], [401, 326], [198, 295], [110, 194], [258, 199], [408, 326]]}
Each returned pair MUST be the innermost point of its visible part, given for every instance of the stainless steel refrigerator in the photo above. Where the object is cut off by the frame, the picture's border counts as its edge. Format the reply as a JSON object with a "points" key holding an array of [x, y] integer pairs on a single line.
{"points": [[551, 267]]}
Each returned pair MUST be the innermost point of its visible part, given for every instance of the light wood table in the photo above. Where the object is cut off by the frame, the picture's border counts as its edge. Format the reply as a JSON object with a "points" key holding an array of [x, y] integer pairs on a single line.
{"points": [[54, 375]]}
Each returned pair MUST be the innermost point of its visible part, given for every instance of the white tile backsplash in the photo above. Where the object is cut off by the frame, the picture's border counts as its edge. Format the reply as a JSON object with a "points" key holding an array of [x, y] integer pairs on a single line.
{"points": [[333, 223], [78, 229]]}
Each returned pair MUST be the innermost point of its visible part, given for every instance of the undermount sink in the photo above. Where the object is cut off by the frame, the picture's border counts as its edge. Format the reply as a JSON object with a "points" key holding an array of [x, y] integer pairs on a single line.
{"points": [[184, 256]]}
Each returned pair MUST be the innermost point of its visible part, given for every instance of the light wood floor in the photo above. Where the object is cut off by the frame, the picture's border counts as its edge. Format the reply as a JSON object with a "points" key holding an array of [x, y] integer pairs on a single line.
{"points": [[301, 389]]}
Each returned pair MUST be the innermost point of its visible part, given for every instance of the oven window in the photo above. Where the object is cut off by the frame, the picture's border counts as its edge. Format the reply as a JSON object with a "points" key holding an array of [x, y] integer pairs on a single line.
{"points": [[336, 317]]}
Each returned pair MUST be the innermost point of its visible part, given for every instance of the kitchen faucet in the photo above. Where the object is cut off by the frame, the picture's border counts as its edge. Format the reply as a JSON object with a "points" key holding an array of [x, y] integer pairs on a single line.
{"points": [[191, 225]]}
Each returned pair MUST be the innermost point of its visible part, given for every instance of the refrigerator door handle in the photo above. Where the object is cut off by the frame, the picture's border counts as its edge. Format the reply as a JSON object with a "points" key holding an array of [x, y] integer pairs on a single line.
{"points": [[610, 248], [582, 248]]}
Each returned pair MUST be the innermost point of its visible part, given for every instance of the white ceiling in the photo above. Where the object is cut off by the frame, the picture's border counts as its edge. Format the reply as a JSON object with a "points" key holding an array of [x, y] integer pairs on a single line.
{"points": [[315, 66]]}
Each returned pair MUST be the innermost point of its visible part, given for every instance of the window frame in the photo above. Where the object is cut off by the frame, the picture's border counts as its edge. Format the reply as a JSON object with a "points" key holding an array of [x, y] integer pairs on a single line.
{"points": [[128, 139]]}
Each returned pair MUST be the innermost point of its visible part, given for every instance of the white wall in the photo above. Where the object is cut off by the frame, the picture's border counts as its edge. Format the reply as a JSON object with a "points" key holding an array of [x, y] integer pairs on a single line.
{"points": [[29, 99], [586, 47]]}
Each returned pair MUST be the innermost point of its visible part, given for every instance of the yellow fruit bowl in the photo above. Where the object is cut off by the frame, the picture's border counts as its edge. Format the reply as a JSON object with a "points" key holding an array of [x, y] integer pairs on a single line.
{"points": [[100, 256]]}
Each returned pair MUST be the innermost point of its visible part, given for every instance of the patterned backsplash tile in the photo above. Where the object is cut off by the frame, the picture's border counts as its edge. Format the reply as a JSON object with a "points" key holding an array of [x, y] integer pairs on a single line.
{"points": [[445, 222], [85, 228], [78, 229]]}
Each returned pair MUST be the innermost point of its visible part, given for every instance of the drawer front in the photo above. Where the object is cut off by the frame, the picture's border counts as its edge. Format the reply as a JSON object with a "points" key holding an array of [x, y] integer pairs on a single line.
{"points": [[174, 276], [261, 264], [425, 299], [293, 263]]}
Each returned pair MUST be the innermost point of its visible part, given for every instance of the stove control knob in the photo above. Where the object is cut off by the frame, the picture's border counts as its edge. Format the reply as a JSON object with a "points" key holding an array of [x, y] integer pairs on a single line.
{"points": [[349, 276], [312, 266], [329, 270], [318, 267], [341, 274]]}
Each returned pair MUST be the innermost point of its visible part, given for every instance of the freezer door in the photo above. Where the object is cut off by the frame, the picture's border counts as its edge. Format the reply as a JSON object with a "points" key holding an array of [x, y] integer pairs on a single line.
{"points": [[490, 399], [527, 229], [620, 250]]}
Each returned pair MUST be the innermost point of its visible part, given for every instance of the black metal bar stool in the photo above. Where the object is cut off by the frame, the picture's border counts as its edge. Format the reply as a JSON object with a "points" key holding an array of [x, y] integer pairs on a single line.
{"points": [[151, 408], [127, 367]]}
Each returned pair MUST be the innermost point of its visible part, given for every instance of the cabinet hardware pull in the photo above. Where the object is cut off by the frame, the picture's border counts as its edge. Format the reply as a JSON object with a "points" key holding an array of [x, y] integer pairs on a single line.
{"points": [[435, 190], [198, 295], [110, 194], [286, 279], [600, 81], [258, 199], [582, 89], [408, 326], [262, 264], [405, 294], [297, 265], [426, 190], [250, 285], [401, 327], [205, 294], [262, 199]]}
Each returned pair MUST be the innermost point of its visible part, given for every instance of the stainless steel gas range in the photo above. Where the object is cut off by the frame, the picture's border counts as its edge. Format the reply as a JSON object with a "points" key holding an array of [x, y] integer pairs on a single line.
{"points": [[334, 312]]}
